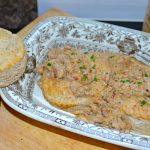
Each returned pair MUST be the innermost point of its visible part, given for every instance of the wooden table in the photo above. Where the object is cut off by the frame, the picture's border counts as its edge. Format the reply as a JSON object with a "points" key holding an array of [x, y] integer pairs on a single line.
{"points": [[18, 132]]}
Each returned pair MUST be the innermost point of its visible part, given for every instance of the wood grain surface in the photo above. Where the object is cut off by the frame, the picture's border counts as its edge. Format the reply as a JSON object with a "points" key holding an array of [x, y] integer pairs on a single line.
{"points": [[18, 132]]}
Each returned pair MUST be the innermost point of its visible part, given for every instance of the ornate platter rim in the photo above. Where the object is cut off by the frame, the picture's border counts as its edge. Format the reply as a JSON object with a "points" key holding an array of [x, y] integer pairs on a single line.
{"points": [[58, 121]]}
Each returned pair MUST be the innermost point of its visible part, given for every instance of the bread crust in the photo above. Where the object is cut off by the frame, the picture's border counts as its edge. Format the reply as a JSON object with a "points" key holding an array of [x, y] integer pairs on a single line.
{"points": [[13, 74]]}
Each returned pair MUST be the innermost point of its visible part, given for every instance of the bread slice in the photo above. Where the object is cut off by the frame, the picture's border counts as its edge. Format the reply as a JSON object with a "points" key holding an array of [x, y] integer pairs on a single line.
{"points": [[58, 93], [13, 58]]}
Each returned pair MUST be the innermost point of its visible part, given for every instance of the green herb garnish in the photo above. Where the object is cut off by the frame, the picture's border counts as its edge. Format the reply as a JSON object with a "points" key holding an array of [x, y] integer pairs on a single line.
{"points": [[145, 75], [85, 52], [73, 53], [112, 56], [125, 81], [139, 83], [94, 66], [143, 102], [82, 67], [49, 64], [95, 79], [84, 77], [93, 58]]}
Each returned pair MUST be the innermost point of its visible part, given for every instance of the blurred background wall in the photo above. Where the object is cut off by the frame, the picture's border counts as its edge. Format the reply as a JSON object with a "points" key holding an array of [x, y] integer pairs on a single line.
{"points": [[15, 14], [112, 10]]}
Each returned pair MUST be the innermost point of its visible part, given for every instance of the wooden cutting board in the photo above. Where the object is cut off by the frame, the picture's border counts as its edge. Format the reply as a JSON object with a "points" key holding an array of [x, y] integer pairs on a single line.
{"points": [[18, 132]]}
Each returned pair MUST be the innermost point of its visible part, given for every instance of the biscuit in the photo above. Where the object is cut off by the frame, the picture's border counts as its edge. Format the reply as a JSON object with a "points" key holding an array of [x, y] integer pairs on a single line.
{"points": [[13, 58]]}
